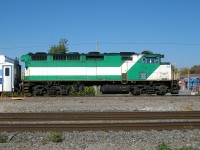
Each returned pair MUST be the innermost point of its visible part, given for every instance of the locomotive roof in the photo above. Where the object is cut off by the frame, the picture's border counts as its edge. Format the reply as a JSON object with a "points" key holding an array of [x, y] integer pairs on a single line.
{"points": [[146, 53]]}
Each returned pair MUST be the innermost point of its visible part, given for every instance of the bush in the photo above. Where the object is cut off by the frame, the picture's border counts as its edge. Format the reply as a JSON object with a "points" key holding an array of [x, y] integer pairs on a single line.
{"points": [[10, 94], [3, 138], [186, 148], [162, 146], [87, 91], [27, 94], [7, 94], [56, 137]]}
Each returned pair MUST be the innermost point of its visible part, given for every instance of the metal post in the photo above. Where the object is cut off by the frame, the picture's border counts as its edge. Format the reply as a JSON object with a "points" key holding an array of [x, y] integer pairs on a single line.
{"points": [[188, 80], [97, 46]]}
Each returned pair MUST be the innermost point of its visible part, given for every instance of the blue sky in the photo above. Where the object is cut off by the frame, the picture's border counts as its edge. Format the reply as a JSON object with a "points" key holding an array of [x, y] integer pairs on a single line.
{"points": [[169, 27]]}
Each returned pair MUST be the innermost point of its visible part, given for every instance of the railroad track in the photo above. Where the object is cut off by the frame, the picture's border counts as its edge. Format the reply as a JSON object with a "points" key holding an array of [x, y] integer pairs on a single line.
{"points": [[107, 95], [83, 121]]}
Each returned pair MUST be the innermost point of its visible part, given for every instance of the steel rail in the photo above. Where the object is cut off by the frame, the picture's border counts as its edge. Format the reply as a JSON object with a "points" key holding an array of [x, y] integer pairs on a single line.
{"points": [[101, 126], [118, 95], [42, 121], [107, 95], [89, 116]]}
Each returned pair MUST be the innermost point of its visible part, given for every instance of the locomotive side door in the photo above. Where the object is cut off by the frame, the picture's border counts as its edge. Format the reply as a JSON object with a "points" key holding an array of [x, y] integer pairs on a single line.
{"points": [[7, 78], [124, 70]]}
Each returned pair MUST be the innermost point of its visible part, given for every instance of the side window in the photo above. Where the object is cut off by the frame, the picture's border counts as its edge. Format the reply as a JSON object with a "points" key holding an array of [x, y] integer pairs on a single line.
{"points": [[7, 72], [150, 60], [144, 60], [157, 60]]}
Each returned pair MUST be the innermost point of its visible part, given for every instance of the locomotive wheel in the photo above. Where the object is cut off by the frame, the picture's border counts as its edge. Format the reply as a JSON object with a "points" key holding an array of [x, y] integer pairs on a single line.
{"points": [[64, 89], [136, 91], [76, 87], [38, 90], [162, 90]]}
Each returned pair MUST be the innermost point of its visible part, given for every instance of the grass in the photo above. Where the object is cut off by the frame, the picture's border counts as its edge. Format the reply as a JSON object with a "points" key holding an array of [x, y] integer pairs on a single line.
{"points": [[56, 137], [3, 138], [164, 146]]}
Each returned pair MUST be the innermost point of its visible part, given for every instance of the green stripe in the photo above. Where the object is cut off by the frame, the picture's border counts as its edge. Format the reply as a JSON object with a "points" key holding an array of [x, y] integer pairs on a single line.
{"points": [[69, 78]]}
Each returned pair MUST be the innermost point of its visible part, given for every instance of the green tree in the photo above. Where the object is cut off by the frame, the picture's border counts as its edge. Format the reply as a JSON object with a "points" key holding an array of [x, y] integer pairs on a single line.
{"points": [[61, 48], [184, 70], [195, 69]]}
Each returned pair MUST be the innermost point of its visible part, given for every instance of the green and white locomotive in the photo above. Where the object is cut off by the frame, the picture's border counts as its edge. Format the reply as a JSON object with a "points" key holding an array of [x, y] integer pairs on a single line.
{"points": [[122, 72]]}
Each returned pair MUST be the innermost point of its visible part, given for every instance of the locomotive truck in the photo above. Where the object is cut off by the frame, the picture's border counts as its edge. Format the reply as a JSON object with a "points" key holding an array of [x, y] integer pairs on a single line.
{"points": [[124, 72]]}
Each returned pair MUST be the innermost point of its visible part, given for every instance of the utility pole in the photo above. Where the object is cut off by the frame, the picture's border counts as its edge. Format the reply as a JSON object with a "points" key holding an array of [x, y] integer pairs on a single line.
{"points": [[188, 80], [97, 46]]}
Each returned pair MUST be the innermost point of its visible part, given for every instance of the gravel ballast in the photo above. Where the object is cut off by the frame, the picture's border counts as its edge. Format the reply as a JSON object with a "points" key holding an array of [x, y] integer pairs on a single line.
{"points": [[100, 104], [100, 140]]}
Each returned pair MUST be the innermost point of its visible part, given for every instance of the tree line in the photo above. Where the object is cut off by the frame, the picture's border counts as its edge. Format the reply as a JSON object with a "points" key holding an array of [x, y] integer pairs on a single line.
{"points": [[193, 70]]}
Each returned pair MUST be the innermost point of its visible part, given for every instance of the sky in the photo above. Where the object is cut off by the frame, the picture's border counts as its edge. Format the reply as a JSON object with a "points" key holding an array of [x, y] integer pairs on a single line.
{"points": [[169, 27]]}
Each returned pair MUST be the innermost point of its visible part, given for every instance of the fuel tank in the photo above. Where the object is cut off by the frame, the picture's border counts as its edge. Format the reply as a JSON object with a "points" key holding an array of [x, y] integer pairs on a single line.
{"points": [[115, 89]]}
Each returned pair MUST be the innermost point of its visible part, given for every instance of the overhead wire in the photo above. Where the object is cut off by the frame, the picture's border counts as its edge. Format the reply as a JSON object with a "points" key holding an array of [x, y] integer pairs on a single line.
{"points": [[107, 43]]}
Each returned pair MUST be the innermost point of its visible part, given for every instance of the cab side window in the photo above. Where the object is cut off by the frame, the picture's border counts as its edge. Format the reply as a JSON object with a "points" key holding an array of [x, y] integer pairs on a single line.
{"points": [[7, 71], [150, 60]]}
